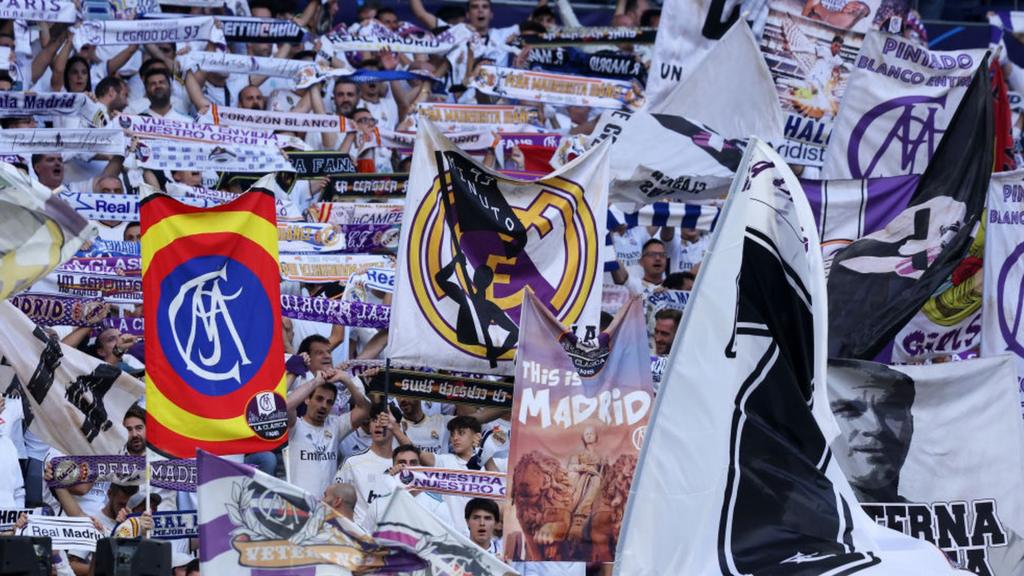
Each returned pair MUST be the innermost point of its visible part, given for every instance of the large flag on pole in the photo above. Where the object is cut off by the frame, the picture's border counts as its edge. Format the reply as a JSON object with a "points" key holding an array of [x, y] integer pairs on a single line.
{"points": [[738, 443], [878, 283], [39, 231], [74, 402], [214, 357]]}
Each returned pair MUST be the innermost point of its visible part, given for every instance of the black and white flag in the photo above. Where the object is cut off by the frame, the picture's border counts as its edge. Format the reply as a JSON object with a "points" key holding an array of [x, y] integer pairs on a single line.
{"points": [[738, 444]]}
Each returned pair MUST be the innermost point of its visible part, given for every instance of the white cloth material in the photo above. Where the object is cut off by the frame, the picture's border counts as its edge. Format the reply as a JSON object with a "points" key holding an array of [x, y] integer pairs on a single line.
{"points": [[124, 32], [366, 473], [767, 232]]}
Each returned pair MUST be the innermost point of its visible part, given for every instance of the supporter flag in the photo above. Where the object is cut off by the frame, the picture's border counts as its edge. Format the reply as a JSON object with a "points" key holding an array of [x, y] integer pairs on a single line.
{"points": [[410, 526], [74, 402], [214, 358], [738, 443], [473, 241], [584, 456], [40, 231], [251, 523], [895, 440], [878, 283]]}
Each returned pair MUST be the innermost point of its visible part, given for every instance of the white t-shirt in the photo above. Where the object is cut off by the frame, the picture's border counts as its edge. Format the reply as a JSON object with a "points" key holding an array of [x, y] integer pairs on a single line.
{"points": [[430, 434], [313, 452], [685, 255], [12, 485], [113, 233], [456, 504], [384, 110], [368, 474], [355, 443], [628, 248]]}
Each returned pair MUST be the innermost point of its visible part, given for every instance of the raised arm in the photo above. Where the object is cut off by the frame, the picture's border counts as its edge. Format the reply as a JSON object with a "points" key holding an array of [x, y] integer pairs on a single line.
{"points": [[299, 395], [421, 13]]}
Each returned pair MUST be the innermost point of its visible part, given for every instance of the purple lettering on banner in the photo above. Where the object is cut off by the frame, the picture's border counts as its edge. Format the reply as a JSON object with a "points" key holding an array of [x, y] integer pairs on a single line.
{"points": [[902, 130], [344, 312], [1009, 320]]}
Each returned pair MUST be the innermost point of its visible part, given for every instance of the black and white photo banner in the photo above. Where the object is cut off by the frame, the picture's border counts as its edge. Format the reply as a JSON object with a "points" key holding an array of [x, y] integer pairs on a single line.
{"points": [[172, 155], [126, 32], [264, 120], [42, 11], [52, 140], [228, 63]]}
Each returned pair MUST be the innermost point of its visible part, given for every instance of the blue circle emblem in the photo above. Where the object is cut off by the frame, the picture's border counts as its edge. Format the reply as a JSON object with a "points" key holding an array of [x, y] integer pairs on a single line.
{"points": [[213, 323]]}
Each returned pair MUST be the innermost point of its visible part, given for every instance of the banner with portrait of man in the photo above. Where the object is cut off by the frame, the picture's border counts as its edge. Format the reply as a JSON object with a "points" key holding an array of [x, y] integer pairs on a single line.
{"points": [[901, 100], [810, 47], [936, 452], [473, 242], [579, 416]]}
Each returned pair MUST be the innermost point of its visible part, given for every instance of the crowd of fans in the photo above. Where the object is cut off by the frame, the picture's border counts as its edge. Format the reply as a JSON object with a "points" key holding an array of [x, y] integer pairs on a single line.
{"points": [[341, 444]]}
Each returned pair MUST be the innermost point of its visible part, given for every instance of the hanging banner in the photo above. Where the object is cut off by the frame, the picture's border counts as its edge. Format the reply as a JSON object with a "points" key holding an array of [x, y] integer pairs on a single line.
{"points": [[341, 312], [1003, 305], [54, 140], [461, 117], [13, 104], [64, 532], [271, 121], [320, 163], [367, 185], [900, 102], [173, 155], [166, 526], [559, 89], [125, 32], [215, 375], [468, 483], [579, 419], [163, 128], [895, 440], [592, 35], [375, 37], [445, 388], [466, 257], [261, 30], [52, 11], [325, 268]]}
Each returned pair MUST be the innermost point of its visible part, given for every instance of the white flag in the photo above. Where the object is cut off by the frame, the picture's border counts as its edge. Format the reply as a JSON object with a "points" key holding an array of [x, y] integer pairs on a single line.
{"points": [[408, 525], [741, 451], [77, 401]]}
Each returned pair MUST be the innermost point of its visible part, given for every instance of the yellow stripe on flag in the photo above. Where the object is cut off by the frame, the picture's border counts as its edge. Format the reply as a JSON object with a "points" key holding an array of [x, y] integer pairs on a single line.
{"points": [[171, 228], [189, 425]]}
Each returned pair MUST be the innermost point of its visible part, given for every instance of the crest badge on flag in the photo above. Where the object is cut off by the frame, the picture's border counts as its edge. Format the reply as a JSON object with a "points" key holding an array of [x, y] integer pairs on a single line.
{"points": [[214, 354]]}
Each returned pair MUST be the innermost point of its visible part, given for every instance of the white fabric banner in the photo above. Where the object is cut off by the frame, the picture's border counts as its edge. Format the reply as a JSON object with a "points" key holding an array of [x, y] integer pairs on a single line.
{"points": [[488, 234], [174, 155], [228, 63], [53, 140], [461, 117], [123, 32], [904, 426], [75, 399], [1003, 305], [748, 458], [48, 11], [471, 140], [324, 268], [559, 89], [309, 237], [359, 213], [148, 127], [691, 161], [376, 37], [899, 101], [270, 121], [739, 104], [65, 532], [688, 31], [40, 103], [118, 207]]}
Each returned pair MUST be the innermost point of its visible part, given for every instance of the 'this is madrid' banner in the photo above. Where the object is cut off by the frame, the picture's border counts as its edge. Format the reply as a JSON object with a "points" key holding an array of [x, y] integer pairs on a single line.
{"points": [[901, 100], [214, 357], [902, 427], [472, 243], [580, 416], [1003, 303]]}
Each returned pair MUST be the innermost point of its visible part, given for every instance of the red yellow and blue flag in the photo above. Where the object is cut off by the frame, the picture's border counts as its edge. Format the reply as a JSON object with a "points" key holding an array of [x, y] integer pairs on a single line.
{"points": [[214, 356]]}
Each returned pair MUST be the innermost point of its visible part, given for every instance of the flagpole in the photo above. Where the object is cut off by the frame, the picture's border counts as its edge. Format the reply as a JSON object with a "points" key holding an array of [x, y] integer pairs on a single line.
{"points": [[149, 505]]}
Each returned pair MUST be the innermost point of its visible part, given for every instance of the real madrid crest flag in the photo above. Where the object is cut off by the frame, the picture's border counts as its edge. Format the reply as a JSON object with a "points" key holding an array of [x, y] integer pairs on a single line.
{"points": [[214, 356], [473, 241]]}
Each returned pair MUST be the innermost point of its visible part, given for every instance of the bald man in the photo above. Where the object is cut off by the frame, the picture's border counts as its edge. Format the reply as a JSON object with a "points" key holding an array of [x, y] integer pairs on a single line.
{"points": [[342, 497]]}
